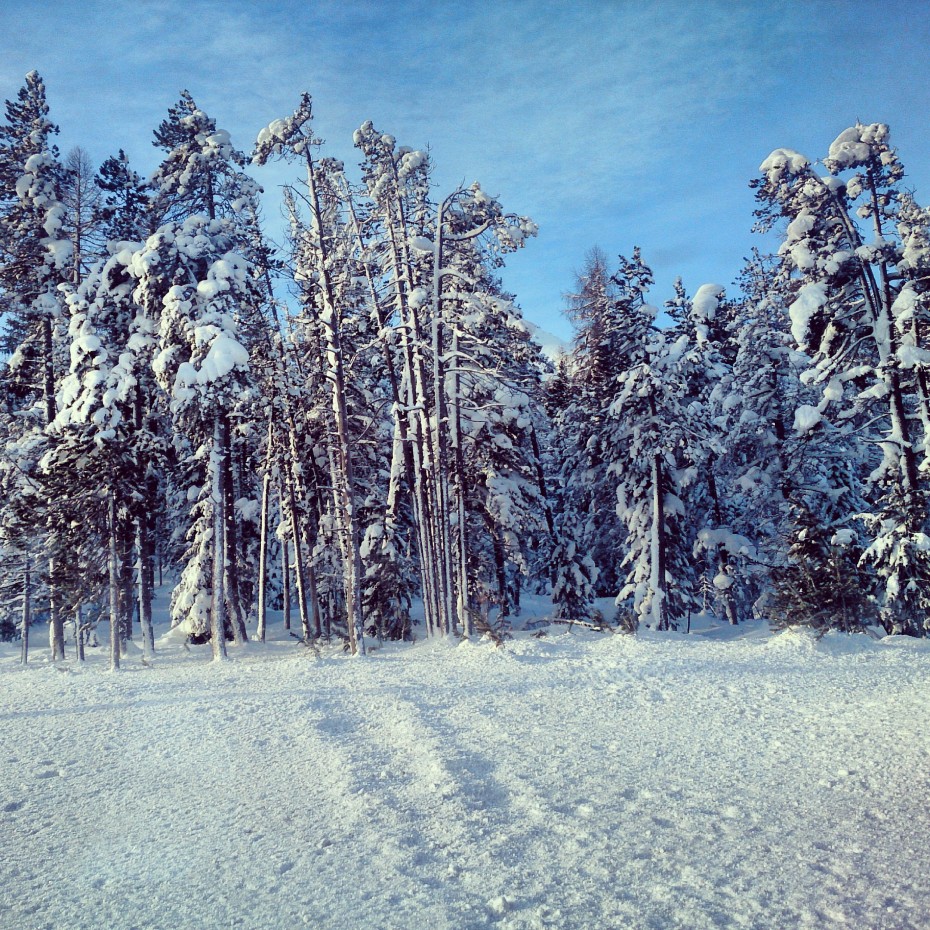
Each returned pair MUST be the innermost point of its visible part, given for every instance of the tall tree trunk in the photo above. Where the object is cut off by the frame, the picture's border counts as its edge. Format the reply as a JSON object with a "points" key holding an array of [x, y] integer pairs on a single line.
{"points": [[114, 562], [458, 450], [230, 568], [27, 612], [145, 586], [308, 600], [78, 634], [218, 499], [658, 582], [263, 557], [440, 427], [286, 582], [417, 410], [127, 602], [56, 626], [343, 482]]}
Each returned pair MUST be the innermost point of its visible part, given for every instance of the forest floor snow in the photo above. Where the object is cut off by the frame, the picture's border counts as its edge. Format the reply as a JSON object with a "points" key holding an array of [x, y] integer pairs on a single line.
{"points": [[723, 779]]}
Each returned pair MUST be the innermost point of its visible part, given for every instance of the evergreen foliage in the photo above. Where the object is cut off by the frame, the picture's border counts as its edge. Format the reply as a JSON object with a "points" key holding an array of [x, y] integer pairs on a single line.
{"points": [[360, 422]]}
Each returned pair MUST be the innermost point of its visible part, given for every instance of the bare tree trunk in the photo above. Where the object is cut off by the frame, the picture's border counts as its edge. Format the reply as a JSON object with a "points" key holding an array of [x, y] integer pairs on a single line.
{"points": [[218, 498], [115, 636], [78, 634], [462, 591], [263, 557], [145, 587], [286, 582], [658, 581], [126, 599], [440, 426], [304, 575], [27, 612], [343, 482], [417, 404], [56, 627], [230, 576]]}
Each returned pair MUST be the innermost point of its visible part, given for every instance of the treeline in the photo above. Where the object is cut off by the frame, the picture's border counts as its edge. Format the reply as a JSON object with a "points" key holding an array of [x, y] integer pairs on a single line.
{"points": [[357, 420]]}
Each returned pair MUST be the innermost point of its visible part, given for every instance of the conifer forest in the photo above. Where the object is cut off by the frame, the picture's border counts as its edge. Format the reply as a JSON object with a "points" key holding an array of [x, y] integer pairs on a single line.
{"points": [[356, 419], [334, 595]]}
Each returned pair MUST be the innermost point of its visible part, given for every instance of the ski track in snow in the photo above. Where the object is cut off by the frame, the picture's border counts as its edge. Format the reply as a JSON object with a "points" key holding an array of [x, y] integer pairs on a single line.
{"points": [[574, 781]]}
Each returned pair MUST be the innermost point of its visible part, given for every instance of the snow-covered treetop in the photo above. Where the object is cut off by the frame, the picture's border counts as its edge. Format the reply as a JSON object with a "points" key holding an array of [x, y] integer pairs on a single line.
{"points": [[388, 167], [853, 147], [783, 162], [704, 308], [288, 137], [200, 173]]}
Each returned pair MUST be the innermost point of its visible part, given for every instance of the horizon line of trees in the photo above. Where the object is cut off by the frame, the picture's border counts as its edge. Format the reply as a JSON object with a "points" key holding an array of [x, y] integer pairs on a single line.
{"points": [[359, 418]]}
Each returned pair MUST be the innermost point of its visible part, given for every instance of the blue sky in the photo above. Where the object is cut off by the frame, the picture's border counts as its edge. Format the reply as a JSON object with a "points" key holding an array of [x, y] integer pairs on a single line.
{"points": [[609, 122]]}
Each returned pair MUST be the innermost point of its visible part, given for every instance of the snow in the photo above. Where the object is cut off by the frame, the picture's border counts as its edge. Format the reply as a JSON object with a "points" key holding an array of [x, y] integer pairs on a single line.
{"points": [[811, 297], [422, 244], [853, 146], [553, 347], [706, 301], [726, 778], [226, 353], [806, 418], [732, 542], [782, 162]]}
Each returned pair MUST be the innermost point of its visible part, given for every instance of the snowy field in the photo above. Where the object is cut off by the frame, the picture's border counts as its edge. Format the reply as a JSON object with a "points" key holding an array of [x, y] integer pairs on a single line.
{"points": [[576, 780]]}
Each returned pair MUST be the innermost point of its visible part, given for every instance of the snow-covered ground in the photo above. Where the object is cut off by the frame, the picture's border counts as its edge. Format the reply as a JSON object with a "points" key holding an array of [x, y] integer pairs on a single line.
{"points": [[578, 780]]}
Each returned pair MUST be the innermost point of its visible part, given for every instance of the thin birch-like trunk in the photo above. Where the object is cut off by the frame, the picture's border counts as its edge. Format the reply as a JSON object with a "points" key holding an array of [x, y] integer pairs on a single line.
{"points": [[126, 598], [658, 581], [417, 411], [218, 499], [230, 576], [27, 613], [115, 636], [145, 587], [263, 559], [304, 575], [458, 451], [343, 478], [78, 634], [286, 581]]}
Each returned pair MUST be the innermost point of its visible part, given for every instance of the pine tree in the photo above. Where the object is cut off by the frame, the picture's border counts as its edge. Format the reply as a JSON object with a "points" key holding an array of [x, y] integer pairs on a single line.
{"points": [[842, 251], [35, 259], [194, 281], [646, 433]]}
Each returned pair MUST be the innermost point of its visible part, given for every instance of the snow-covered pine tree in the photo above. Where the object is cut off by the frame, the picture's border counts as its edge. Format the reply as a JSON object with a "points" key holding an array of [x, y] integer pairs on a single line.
{"points": [[194, 281], [35, 258], [646, 432], [842, 251], [315, 263], [493, 389], [602, 351], [105, 438], [823, 582], [703, 336], [397, 180]]}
